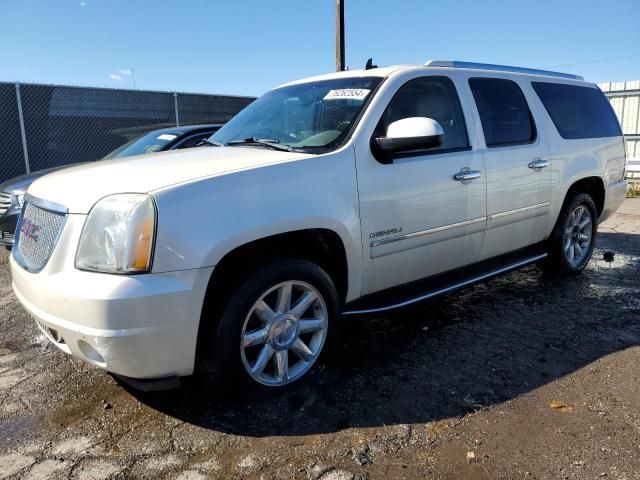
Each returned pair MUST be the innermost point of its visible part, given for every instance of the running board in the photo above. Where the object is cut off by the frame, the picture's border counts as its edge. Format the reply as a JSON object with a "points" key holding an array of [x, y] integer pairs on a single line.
{"points": [[356, 307]]}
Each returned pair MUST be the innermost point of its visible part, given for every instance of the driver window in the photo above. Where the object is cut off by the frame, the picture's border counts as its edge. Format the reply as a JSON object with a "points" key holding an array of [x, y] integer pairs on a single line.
{"points": [[431, 97]]}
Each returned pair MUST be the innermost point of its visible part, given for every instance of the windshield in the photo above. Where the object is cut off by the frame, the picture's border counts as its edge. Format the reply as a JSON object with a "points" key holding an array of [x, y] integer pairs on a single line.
{"points": [[314, 116], [150, 143]]}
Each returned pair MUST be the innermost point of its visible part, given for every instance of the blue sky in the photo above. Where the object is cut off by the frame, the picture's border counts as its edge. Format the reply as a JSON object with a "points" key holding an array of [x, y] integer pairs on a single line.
{"points": [[246, 47]]}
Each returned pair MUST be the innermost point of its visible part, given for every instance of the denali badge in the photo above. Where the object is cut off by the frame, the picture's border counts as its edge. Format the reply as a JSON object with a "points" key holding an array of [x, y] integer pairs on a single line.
{"points": [[382, 233], [29, 229]]}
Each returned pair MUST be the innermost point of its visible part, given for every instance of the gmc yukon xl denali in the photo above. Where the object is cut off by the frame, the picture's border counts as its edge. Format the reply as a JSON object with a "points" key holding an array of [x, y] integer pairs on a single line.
{"points": [[346, 194]]}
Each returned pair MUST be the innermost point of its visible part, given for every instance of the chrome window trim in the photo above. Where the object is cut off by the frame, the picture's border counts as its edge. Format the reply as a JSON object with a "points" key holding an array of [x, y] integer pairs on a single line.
{"points": [[455, 286], [422, 233]]}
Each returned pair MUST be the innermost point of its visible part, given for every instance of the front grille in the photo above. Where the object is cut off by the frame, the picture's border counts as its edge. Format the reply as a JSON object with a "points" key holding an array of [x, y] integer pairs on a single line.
{"points": [[5, 203], [38, 235]]}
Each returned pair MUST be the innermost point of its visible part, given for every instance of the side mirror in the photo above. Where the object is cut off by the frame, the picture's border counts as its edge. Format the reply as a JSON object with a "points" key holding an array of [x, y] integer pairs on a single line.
{"points": [[413, 133]]}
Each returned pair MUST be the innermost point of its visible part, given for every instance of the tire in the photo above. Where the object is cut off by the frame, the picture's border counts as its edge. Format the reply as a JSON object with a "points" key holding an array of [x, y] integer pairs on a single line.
{"points": [[569, 249], [258, 350]]}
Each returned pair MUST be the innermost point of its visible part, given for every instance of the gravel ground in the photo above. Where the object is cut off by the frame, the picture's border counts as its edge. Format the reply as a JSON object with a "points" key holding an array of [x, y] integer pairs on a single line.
{"points": [[521, 377]]}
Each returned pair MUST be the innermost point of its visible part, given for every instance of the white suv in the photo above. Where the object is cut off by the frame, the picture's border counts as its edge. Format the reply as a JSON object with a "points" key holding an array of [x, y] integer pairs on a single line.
{"points": [[350, 193]]}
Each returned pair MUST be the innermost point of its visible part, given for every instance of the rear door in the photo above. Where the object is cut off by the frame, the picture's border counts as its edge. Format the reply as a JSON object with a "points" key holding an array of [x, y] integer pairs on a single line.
{"points": [[517, 162]]}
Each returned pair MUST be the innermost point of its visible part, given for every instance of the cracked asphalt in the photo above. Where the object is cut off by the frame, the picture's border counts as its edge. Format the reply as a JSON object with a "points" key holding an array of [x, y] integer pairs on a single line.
{"points": [[524, 376]]}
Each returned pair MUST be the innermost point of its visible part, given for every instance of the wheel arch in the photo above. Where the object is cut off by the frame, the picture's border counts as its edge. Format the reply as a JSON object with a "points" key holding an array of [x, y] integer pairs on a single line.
{"points": [[593, 186], [322, 246]]}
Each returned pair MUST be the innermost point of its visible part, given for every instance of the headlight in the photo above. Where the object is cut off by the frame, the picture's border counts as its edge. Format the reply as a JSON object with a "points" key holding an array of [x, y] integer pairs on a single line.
{"points": [[118, 235], [20, 200]]}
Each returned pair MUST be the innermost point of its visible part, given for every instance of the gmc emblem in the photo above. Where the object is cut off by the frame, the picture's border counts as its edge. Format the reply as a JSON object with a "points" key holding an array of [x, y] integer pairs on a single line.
{"points": [[29, 229]]}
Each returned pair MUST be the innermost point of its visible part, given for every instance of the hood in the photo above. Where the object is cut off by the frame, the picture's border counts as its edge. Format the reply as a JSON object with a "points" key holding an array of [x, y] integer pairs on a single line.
{"points": [[79, 188], [19, 185]]}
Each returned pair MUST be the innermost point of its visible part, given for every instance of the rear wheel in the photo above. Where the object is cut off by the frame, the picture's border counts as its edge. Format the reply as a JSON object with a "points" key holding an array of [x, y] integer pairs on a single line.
{"points": [[572, 241], [274, 328]]}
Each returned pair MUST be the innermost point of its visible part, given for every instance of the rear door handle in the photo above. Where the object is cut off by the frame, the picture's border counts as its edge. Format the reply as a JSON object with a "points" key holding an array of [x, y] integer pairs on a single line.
{"points": [[538, 163], [467, 175]]}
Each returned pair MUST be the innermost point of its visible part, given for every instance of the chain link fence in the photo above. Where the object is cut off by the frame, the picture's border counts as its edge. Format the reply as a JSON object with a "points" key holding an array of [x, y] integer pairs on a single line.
{"points": [[46, 126]]}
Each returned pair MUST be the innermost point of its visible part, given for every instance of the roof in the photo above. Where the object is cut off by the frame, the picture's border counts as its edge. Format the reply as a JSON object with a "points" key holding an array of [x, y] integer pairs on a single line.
{"points": [[432, 65], [500, 68]]}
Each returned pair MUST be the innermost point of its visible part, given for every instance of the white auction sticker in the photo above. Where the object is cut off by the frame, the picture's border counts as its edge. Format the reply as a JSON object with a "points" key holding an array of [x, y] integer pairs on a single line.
{"points": [[167, 136], [347, 94]]}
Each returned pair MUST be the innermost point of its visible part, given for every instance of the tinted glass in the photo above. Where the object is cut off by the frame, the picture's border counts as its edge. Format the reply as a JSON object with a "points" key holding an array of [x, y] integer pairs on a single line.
{"points": [[431, 97], [150, 143], [311, 116], [193, 141], [578, 112], [504, 113]]}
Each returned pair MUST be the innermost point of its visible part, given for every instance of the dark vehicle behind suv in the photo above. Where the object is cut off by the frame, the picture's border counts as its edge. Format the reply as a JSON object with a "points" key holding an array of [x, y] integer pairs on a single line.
{"points": [[12, 191]]}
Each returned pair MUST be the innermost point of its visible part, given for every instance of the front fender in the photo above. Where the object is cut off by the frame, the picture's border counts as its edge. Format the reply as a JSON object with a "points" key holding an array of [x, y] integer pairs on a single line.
{"points": [[200, 222]]}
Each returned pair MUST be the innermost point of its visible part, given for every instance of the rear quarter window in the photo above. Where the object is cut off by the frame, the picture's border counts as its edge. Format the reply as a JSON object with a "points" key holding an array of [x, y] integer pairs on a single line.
{"points": [[577, 111]]}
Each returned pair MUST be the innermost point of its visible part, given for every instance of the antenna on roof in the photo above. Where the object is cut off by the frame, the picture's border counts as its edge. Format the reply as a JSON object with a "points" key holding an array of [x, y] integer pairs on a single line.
{"points": [[370, 64]]}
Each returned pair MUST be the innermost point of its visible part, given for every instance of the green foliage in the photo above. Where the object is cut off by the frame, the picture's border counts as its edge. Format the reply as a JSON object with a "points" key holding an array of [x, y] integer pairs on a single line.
{"points": [[634, 190]]}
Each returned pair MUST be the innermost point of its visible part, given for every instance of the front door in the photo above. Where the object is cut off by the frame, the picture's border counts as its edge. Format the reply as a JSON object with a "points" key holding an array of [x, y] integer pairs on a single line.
{"points": [[417, 219]]}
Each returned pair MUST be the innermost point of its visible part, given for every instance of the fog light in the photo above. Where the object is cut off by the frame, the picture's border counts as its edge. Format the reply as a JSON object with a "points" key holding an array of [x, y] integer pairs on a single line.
{"points": [[91, 354]]}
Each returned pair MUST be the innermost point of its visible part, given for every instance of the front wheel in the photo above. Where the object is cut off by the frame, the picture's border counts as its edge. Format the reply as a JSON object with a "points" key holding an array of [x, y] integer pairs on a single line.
{"points": [[274, 328], [573, 238]]}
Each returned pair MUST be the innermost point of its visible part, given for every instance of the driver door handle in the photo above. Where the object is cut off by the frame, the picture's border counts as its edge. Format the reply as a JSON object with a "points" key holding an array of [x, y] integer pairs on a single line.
{"points": [[539, 163], [467, 175]]}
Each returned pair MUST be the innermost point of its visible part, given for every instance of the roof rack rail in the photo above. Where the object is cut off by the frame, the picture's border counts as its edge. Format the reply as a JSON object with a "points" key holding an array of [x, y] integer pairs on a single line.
{"points": [[500, 68]]}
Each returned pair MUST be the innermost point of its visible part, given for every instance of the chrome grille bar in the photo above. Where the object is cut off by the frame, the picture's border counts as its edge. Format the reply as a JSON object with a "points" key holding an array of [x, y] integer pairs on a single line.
{"points": [[5, 203]]}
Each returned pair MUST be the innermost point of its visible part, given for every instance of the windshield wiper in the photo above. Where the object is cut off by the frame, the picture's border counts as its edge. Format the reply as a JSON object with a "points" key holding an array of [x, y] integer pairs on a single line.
{"points": [[209, 143], [262, 142]]}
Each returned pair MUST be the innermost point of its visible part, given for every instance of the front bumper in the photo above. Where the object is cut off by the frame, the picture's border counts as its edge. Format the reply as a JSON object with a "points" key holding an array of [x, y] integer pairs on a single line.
{"points": [[615, 194], [142, 326]]}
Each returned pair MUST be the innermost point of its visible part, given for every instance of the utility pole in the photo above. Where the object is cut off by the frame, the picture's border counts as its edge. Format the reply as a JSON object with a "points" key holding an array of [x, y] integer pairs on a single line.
{"points": [[133, 77], [340, 62]]}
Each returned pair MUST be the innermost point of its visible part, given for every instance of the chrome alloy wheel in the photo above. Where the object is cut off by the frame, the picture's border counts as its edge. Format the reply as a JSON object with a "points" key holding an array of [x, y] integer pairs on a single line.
{"points": [[284, 333], [578, 234]]}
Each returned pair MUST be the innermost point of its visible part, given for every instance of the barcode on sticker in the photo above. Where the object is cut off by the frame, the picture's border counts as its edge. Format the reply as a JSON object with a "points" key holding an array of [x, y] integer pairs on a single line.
{"points": [[347, 94]]}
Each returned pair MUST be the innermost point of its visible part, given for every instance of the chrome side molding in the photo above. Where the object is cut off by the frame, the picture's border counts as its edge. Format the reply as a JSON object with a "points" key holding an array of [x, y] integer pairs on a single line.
{"points": [[421, 233], [455, 286], [520, 210]]}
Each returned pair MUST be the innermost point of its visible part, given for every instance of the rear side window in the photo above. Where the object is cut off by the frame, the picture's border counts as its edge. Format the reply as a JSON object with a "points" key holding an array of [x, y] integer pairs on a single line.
{"points": [[504, 113], [578, 112]]}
